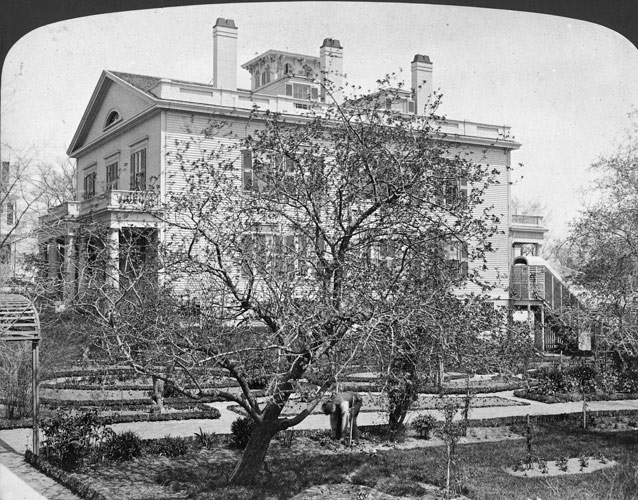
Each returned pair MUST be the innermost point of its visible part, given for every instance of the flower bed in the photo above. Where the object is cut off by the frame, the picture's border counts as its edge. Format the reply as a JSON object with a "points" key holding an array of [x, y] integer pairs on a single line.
{"points": [[568, 397]]}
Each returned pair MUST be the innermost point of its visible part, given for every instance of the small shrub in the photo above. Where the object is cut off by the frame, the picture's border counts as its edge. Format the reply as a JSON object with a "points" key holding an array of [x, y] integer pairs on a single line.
{"points": [[169, 446], [122, 447], [542, 465], [258, 382], [584, 461], [205, 439], [423, 425], [561, 463], [242, 428], [600, 457], [71, 438]]}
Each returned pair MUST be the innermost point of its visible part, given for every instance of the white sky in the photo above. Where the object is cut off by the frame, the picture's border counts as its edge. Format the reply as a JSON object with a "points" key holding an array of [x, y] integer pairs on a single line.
{"points": [[564, 86]]}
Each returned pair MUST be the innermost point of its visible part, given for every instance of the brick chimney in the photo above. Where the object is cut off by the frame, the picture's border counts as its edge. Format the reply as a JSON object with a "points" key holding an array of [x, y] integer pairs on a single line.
{"points": [[421, 82], [331, 59], [225, 54]]}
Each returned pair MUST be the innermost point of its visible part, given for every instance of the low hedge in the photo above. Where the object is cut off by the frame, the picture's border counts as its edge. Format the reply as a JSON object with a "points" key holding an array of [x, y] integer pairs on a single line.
{"points": [[66, 479], [209, 413], [117, 370], [144, 403], [572, 397], [575, 417], [128, 387]]}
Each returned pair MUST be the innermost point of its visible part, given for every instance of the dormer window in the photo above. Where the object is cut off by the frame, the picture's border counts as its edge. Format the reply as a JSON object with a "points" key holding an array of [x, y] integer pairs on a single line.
{"points": [[112, 118], [287, 69], [301, 91], [265, 78]]}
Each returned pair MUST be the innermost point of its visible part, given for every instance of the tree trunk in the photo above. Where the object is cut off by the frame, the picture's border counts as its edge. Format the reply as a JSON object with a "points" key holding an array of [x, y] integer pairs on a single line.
{"points": [[158, 393], [247, 470]]}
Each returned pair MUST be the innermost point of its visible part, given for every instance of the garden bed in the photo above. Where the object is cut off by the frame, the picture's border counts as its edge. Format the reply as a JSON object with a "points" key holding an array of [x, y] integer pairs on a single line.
{"points": [[572, 396], [379, 403], [316, 465]]}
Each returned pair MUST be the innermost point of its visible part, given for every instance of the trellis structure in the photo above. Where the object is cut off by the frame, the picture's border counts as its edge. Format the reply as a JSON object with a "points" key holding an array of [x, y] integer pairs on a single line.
{"points": [[19, 321]]}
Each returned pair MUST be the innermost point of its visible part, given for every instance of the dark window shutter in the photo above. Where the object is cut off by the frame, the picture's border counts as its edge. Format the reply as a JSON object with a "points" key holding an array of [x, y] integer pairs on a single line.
{"points": [[248, 180], [132, 182], [142, 180], [288, 89], [315, 94], [464, 269], [10, 213], [410, 106]]}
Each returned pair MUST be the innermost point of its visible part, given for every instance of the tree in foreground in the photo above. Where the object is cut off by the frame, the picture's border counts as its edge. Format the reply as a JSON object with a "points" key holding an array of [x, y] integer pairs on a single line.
{"points": [[300, 263], [603, 248]]}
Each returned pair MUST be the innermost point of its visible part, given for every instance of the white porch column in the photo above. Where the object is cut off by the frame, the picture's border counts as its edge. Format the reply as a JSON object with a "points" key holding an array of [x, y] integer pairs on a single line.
{"points": [[113, 257], [52, 259], [69, 268]]}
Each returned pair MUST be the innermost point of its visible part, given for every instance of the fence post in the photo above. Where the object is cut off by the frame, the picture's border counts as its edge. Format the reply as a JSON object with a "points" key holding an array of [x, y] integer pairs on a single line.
{"points": [[35, 361]]}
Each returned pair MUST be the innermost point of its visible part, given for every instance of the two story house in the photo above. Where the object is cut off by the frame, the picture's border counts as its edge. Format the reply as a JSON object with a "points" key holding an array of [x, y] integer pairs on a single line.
{"points": [[133, 124]]}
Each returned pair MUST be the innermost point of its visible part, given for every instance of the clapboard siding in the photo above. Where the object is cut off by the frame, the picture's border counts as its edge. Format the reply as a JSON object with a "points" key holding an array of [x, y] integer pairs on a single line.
{"points": [[185, 128]]}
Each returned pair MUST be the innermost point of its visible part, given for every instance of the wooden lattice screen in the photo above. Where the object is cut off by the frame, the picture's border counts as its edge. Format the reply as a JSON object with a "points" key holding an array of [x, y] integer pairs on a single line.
{"points": [[18, 318]]}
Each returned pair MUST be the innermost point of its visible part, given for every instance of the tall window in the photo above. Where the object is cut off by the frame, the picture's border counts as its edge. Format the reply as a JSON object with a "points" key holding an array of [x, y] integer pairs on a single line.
{"points": [[89, 185], [112, 176], [5, 254], [255, 169], [265, 77], [453, 190], [138, 170], [457, 258]]}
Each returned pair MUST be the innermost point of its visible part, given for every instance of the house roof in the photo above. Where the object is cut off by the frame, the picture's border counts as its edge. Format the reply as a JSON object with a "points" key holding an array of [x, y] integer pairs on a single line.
{"points": [[141, 82]]}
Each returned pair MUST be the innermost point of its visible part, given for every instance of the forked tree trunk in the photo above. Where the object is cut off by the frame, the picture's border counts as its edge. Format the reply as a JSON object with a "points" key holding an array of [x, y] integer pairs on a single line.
{"points": [[247, 470]]}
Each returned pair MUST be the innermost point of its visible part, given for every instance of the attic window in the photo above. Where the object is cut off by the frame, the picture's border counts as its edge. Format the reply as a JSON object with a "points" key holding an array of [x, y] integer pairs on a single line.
{"points": [[112, 118]]}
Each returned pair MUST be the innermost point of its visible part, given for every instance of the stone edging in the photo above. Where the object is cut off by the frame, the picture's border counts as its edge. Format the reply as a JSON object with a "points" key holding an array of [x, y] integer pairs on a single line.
{"points": [[66, 479]]}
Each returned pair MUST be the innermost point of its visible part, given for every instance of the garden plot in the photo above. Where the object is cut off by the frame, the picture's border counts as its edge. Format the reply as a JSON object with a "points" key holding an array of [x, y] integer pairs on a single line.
{"points": [[583, 465], [373, 402]]}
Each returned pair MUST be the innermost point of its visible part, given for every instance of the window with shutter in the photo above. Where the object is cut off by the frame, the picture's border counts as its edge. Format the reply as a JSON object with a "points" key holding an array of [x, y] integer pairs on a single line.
{"points": [[112, 176], [288, 89], [138, 170], [301, 91], [89, 185]]}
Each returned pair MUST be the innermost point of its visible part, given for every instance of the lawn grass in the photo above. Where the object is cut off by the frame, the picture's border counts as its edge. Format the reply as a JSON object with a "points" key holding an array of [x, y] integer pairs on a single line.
{"points": [[202, 474]]}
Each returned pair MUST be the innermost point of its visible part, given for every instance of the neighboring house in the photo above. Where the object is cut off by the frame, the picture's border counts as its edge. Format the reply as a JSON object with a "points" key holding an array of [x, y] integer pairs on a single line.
{"points": [[133, 122], [15, 224]]}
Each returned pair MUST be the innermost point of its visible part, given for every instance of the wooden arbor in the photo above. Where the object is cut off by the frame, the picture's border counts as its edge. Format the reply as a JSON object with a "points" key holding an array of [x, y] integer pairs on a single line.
{"points": [[19, 321]]}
